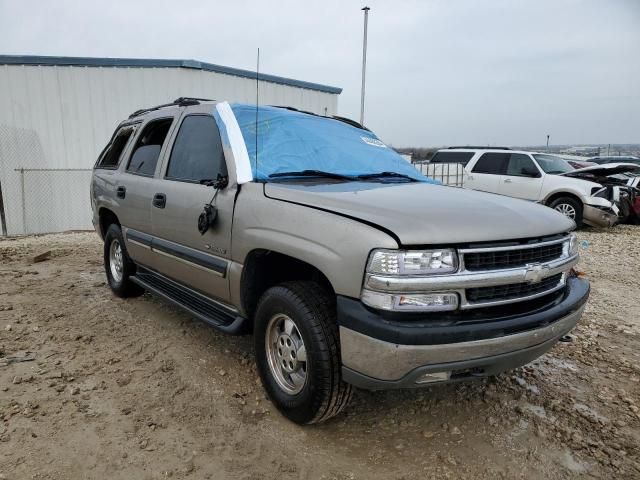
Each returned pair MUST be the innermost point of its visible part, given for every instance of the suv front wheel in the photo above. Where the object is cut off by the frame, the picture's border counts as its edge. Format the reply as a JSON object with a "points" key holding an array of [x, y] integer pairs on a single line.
{"points": [[569, 207], [298, 352]]}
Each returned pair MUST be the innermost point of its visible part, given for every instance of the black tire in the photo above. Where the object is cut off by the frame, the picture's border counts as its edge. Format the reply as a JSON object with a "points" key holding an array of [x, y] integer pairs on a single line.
{"points": [[557, 204], [122, 287], [324, 393]]}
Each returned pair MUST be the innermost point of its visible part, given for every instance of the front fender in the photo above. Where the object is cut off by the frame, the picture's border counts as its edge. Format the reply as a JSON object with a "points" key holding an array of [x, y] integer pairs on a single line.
{"points": [[558, 185], [337, 246]]}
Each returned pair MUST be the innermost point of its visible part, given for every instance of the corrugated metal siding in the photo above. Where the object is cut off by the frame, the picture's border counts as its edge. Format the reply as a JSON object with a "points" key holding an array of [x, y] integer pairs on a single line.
{"points": [[62, 116], [160, 63]]}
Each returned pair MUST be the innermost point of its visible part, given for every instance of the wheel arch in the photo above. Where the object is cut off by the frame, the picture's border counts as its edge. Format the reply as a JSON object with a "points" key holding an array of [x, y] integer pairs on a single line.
{"points": [[106, 217], [264, 268], [551, 198]]}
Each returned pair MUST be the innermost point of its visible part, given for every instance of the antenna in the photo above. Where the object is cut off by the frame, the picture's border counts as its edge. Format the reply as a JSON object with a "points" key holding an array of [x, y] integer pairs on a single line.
{"points": [[257, 98]]}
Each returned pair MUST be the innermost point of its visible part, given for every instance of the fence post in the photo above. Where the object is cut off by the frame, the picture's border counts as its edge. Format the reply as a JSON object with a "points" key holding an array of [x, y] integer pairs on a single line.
{"points": [[24, 205], [3, 219]]}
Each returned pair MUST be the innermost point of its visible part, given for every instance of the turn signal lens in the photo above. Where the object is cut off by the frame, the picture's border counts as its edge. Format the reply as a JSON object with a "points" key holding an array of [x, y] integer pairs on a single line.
{"points": [[571, 245], [419, 302]]}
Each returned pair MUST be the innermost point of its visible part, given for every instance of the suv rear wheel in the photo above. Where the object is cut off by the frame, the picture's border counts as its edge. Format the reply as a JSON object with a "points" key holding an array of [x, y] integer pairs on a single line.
{"points": [[117, 264], [569, 207], [298, 353]]}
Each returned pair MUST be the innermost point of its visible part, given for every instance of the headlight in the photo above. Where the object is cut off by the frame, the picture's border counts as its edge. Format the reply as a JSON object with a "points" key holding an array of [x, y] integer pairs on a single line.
{"points": [[411, 262], [416, 262], [571, 245]]}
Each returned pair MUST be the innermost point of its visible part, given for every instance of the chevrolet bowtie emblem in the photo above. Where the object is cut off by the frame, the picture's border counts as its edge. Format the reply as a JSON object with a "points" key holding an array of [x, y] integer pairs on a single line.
{"points": [[535, 272]]}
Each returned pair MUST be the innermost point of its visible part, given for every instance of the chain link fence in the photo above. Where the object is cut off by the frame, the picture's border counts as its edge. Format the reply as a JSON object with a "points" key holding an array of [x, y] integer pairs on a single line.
{"points": [[45, 200]]}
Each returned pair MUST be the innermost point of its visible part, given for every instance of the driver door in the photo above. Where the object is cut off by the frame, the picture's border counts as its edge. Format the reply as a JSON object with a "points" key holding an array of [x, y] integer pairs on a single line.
{"points": [[199, 261], [523, 178]]}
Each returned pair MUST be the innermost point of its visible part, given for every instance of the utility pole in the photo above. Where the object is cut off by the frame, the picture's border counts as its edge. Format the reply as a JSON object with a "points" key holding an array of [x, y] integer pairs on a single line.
{"points": [[364, 62], [547, 142]]}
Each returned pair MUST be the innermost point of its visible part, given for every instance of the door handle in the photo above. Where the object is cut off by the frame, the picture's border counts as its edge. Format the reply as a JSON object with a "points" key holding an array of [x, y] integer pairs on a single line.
{"points": [[121, 192], [507, 180], [159, 200]]}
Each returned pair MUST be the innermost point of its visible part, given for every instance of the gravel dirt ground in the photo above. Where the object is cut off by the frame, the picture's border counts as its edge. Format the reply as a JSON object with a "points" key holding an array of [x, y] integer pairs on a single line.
{"points": [[136, 389]]}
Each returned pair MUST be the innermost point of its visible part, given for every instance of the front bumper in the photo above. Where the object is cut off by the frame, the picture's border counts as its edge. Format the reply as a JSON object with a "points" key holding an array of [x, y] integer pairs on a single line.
{"points": [[597, 217], [380, 354]]}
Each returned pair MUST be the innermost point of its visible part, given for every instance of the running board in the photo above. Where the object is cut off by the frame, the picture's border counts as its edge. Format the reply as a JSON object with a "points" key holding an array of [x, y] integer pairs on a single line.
{"points": [[194, 303]]}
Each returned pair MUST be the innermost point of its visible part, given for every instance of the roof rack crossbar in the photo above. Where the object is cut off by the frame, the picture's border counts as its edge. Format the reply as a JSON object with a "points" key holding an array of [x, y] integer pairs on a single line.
{"points": [[180, 102], [475, 147], [191, 100], [346, 120]]}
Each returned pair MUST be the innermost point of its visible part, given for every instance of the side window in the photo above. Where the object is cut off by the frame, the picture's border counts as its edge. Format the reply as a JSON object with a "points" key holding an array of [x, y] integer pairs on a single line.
{"points": [[147, 149], [110, 157], [521, 165], [493, 163], [197, 153], [452, 157]]}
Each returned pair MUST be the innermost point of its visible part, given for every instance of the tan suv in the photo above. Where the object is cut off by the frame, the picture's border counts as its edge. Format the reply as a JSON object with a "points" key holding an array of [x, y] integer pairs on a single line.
{"points": [[349, 267]]}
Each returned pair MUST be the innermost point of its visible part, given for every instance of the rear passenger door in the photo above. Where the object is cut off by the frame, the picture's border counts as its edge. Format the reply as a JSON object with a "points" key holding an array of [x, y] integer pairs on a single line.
{"points": [[485, 173], [197, 260], [522, 179], [134, 187], [106, 175]]}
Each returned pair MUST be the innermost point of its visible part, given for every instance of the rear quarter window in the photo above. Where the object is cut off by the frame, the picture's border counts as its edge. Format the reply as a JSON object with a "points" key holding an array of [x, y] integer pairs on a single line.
{"points": [[112, 153], [452, 157]]}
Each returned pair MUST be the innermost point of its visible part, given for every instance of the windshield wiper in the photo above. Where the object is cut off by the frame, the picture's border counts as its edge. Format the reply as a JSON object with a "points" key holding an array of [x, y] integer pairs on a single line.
{"points": [[311, 173], [387, 175]]}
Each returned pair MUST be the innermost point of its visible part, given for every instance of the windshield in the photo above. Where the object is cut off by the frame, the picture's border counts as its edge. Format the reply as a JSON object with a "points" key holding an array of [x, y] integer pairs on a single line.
{"points": [[294, 144], [552, 164]]}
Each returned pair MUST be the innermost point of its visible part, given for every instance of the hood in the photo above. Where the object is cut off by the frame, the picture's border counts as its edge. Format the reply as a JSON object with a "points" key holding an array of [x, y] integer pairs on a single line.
{"points": [[604, 170], [423, 214]]}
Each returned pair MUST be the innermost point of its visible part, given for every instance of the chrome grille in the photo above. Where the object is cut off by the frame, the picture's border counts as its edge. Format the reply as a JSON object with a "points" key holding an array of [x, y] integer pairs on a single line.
{"points": [[497, 259], [494, 274], [514, 290], [534, 263]]}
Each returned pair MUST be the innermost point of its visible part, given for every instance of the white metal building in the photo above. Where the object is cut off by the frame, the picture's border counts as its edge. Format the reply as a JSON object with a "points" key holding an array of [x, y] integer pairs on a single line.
{"points": [[57, 113]]}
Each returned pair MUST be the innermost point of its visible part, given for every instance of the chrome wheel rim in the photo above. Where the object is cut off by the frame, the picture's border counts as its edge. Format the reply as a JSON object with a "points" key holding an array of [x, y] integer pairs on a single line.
{"points": [[286, 354], [115, 260], [567, 210]]}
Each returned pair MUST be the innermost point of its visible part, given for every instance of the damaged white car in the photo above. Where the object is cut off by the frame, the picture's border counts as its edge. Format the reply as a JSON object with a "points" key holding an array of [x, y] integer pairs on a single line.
{"points": [[619, 191], [600, 195]]}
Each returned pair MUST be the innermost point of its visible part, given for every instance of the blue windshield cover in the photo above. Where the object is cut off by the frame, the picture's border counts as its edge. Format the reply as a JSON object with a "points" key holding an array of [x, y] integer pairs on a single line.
{"points": [[290, 141]]}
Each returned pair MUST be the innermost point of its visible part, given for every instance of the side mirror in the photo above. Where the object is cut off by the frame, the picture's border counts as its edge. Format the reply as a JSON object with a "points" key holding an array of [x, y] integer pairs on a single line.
{"points": [[209, 215], [221, 182]]}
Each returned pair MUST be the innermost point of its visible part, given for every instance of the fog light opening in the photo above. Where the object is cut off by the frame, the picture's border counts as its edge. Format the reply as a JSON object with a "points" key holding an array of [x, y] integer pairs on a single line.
{"points": [[433, 377]]}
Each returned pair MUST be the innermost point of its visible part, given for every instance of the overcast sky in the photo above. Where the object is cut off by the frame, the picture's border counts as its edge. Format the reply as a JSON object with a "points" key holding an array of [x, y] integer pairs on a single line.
{"points": [[439, 72]]}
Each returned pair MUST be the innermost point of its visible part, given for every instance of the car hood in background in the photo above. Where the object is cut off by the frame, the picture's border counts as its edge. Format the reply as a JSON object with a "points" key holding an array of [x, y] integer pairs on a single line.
{"points": [[604, 170], [422, 214]]}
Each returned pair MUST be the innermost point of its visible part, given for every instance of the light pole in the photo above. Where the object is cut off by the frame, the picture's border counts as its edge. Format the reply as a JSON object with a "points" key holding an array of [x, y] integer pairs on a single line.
{"points": [[547, 142], [364, 62]]}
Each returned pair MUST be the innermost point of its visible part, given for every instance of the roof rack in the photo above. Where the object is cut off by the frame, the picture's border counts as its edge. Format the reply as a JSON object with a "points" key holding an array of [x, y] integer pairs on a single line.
{"points": [[346, 120], [474, 147], [178, 102]]}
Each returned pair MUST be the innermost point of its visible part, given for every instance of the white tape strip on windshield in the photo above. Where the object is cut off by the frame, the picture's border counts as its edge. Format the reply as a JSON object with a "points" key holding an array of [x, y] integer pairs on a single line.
{"points": [[236, 141]]}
